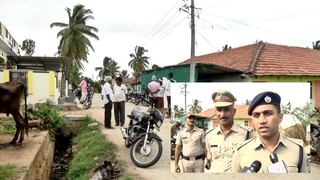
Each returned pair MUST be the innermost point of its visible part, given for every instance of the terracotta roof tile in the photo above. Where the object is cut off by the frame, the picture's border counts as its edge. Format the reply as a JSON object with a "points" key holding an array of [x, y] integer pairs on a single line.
{"points": [[266, 59], [241, 113], [286, 60]]}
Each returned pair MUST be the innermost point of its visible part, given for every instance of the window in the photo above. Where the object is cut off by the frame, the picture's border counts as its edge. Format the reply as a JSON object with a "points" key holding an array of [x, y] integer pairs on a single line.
{"points": [[246, 123]]}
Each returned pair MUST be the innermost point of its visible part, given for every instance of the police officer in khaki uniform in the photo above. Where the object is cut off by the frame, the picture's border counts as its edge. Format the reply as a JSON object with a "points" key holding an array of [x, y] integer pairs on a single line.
{"points": [[191, 142], [222, 141], [266, 116]]}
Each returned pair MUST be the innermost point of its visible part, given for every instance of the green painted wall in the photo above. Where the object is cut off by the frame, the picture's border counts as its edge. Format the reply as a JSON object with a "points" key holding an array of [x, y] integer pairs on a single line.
{"points": [[181, 74]]}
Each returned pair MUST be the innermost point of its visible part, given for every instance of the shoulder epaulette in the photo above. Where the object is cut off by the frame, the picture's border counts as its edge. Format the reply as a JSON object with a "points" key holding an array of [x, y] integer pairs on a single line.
{"points": [[298, 142], [244, 143], [209, 130]]}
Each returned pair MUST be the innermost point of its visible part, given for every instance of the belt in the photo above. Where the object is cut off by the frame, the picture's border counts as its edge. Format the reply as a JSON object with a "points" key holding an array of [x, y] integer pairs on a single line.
{"points": [[193, 158]]}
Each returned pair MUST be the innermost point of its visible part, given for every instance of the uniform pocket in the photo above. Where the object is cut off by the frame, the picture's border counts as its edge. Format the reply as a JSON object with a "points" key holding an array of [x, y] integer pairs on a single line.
{"points": [[215, 151]]}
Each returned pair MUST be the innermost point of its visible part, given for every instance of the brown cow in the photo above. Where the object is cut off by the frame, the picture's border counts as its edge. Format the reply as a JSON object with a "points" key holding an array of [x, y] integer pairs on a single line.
{"points": [[10, 95]]}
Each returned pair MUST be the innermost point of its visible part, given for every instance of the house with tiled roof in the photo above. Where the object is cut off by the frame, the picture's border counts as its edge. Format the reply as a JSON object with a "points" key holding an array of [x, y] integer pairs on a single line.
{"points": [[241, 117], [259, 62]]}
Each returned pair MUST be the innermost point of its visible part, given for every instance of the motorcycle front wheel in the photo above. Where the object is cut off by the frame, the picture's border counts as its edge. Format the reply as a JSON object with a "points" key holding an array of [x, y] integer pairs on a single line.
{"points": [[146, 156], [87, 103]]}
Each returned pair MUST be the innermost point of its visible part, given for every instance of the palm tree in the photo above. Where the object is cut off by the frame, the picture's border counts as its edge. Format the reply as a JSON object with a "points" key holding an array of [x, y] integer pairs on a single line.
{"points": [[124, 74], [74, 42], [195, 108], [110, 68], [178, 111], [316, 45], [28, 45], [139, 61], [226, 47]]}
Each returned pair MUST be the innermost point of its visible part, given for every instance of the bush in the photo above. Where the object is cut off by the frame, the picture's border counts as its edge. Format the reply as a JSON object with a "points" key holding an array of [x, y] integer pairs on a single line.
{"points": [[49, 116]]}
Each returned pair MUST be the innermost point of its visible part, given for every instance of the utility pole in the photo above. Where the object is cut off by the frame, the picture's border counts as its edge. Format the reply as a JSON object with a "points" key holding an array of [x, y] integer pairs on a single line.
{"points": [[192, 58], [184, 92], [186, 9]]}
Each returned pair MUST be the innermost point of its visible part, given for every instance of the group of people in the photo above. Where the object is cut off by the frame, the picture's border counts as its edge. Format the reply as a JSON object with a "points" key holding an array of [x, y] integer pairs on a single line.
{"points": [[233, 148], [114, 95], [157, 90]]}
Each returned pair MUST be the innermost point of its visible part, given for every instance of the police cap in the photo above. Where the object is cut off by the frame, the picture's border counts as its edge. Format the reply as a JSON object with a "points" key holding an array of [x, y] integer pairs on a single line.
{"points": [[267, 97], [223, 98]]}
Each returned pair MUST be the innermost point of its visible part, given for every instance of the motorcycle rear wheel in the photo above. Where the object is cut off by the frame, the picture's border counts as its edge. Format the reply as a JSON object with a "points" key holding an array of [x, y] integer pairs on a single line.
{"points": [[148, 156]]}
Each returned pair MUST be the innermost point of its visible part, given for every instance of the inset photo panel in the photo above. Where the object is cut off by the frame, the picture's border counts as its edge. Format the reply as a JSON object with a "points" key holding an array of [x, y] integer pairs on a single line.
{"points": [[259, 127]]}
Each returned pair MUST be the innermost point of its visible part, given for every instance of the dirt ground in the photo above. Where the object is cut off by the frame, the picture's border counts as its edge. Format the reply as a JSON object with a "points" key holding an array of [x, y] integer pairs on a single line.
{"points": [[161, 170]]}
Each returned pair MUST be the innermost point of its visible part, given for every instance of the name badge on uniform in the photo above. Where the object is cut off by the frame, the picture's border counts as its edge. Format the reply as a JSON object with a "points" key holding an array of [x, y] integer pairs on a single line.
{"points": [[214, 145]]}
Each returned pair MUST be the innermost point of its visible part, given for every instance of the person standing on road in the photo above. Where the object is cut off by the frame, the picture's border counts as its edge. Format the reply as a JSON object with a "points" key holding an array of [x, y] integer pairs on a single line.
{"points": [[222, 141], [84, 89], [168, 92], [191, 142], [120, 93], [153, 89], [108, 98]]}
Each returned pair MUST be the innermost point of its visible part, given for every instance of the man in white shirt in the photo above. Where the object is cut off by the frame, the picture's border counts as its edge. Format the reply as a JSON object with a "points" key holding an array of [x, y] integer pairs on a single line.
{"points": [[108, 99], [120, 92], [168, 91]]}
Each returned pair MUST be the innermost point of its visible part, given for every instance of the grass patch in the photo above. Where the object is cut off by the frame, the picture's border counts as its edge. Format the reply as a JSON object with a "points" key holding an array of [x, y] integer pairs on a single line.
{"points": [[7, 127], [7, 172], [90, 147]]}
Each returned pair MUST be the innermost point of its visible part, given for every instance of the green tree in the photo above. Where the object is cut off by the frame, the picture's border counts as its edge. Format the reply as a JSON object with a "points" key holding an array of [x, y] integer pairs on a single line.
{"points": [[124, 74], [28, 45], [139, 62], [226, 47], [195, 108], [74, 41], [155, 66], [178, 111], [316, 45], [110, 68]]}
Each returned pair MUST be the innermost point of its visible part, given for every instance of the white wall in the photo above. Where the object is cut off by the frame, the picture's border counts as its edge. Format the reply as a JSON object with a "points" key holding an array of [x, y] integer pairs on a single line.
{"points": [[41, 89]]}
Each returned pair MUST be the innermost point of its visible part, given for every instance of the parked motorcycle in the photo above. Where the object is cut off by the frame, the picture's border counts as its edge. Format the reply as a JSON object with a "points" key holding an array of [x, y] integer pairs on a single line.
{"points": [[87, 102], [315, 140], [146, 147]]}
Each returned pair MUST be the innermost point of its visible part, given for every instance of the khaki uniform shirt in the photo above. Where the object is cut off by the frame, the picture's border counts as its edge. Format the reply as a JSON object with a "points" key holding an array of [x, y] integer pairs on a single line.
{"points": [[220, 147], [191, 141], [286, 150]]}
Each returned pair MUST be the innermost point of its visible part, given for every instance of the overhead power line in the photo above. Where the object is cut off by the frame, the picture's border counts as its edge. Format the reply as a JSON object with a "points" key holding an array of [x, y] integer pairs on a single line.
{"points": [[162, 23], [256, 27]]}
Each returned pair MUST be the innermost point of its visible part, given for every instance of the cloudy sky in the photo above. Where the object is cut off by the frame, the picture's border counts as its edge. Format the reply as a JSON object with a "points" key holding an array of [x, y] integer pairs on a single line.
{"points": [[161, 28]]}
